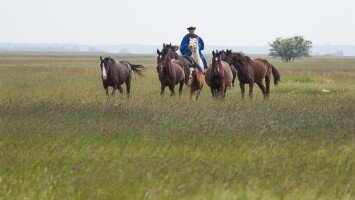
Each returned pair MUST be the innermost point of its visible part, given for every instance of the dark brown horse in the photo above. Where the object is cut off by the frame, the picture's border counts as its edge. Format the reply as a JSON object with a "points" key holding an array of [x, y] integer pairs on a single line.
{"points": [[196, 82], [170, 72], [252, 71], [218, 76], [115, 73], [169, 51], [234, 71]]}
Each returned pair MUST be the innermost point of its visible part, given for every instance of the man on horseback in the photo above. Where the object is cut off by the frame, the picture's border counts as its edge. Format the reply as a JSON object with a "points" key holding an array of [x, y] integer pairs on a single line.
{"points": [[184, 47]]}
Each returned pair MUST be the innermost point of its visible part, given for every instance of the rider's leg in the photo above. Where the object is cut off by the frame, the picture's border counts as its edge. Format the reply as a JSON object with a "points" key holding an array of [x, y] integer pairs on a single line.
{"points": [[204, 61]]}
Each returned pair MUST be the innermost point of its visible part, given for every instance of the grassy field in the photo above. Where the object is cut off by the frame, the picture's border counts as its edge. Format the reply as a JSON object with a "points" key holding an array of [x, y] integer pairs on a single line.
{"points": [[61, 137]]}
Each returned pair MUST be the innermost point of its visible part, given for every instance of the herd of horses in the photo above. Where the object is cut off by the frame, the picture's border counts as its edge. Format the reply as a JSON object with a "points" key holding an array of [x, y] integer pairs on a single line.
{"points": [[174, 69]]}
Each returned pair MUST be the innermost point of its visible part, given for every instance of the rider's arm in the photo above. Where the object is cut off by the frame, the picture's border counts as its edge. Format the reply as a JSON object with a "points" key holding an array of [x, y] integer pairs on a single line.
{"points": [[201, 43], [184, 44]]}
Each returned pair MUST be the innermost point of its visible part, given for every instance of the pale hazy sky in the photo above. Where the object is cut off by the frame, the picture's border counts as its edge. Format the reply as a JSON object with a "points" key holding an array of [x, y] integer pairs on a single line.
{"points": [[219, 22]]}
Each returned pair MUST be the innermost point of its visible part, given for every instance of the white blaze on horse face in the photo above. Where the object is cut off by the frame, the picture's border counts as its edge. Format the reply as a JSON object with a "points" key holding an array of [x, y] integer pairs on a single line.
{"points": [[191, 70], [104, 74], [190, 77]]}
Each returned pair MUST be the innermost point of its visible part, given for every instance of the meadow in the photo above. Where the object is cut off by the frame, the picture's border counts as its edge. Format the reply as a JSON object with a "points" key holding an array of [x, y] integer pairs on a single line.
{"points": [[61, 137]]}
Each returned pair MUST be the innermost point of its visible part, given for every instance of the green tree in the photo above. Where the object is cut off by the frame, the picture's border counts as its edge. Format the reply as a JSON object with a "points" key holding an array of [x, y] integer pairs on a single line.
{"points": [[290, 48]]}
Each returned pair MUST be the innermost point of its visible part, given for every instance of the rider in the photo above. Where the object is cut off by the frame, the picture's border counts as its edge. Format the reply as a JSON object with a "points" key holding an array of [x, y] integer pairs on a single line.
{"points": [[185, 43]]}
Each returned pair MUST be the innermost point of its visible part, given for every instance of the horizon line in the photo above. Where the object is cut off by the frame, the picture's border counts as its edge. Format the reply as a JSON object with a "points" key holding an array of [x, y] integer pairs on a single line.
{"points": [[114, 44]]}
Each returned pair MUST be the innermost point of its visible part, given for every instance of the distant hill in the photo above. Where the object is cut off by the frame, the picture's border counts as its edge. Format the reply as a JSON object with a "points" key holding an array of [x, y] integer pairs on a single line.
{"points": [[336, 50]]}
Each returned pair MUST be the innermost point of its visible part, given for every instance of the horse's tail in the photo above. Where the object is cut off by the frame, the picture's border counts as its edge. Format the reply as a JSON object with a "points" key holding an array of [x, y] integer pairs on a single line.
{"points": [[276, 74], [138, 69]]}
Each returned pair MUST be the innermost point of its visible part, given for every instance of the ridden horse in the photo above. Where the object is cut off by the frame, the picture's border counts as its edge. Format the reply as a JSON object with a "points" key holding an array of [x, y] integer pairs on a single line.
{"points": [[196, 82], [252, 71], [170, 73], [115, 73], [218, 76], [195, 53], [169, 51], [189, 65]]}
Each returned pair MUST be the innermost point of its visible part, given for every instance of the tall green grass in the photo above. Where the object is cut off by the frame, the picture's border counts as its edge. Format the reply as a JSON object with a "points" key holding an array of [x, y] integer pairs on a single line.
{"points": [[61, 137]]}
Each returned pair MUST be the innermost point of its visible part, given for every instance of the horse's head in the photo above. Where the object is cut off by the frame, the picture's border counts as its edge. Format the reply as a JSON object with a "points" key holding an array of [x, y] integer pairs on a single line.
{"points": [[240, 59], [216, 62], [105, 67], [192, 73], [161, 61], [169, 46], [193, 45], [169, 50], [227, 56]]}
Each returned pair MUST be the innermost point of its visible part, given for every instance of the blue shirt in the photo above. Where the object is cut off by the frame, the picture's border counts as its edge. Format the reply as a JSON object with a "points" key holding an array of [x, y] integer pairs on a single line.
{"points": [[185, 43]]}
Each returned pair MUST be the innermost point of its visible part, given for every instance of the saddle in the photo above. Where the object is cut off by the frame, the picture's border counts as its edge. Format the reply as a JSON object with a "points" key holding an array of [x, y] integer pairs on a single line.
{"points": [[193, 64], [190, 61]]}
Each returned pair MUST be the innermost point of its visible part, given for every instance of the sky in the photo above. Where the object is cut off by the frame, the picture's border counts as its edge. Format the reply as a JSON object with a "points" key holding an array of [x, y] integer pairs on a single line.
{"points": [[219, 22]]}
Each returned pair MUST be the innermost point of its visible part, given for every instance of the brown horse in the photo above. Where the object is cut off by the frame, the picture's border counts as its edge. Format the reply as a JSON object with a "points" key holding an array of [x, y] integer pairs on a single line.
{"points": [[169, 51], [234, 71], [218, 76], [252, 71], [196, 82], [115, 73], [170, 72]]}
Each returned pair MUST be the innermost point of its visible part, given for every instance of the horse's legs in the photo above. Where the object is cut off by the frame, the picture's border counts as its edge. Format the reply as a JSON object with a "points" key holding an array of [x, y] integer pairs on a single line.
{"points": [[128, 87], [222, 90], [197, 93], [106, 89], [120, 89], [242, 88], [162, 89], [172, 89], [181, 86], [267, 81], [251, 85], [262, 87], [191, 93], [212, 92], [114, 89]]}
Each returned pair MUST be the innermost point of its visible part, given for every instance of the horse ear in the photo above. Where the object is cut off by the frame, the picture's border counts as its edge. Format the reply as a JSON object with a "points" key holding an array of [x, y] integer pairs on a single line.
{"points": [[213, 53], [163, 44], [158, 52]]}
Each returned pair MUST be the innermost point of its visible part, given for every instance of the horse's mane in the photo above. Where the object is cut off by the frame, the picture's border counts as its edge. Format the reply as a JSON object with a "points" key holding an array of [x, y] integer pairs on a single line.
{"points": [[171, 49], [170, 46], [242, 56], [110, 59]]}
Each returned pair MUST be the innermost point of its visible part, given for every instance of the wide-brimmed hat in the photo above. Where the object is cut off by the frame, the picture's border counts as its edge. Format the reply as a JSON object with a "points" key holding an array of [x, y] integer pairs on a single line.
{"points": [[191, 28]]}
